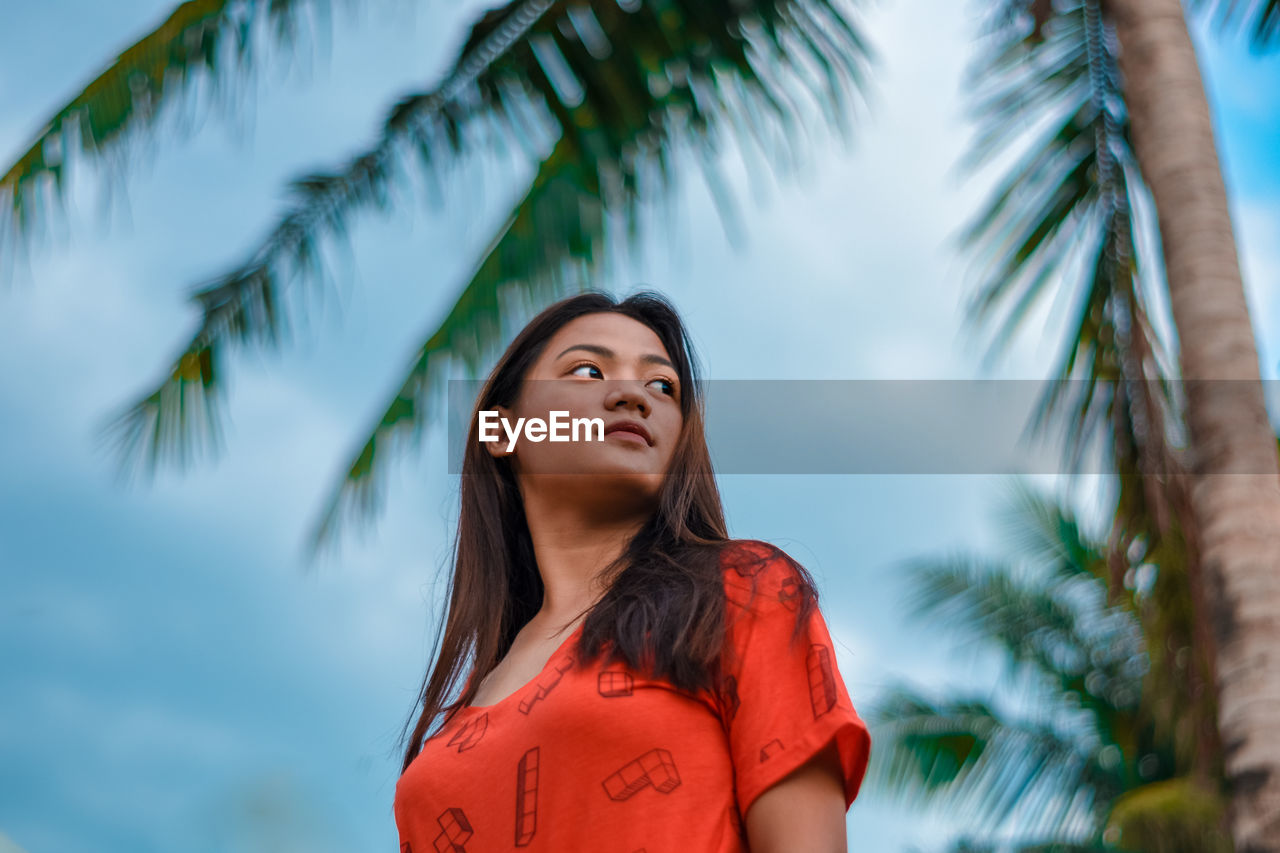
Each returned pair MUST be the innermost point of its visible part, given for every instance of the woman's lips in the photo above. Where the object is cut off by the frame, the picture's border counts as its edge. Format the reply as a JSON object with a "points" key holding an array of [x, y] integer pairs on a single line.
{"points": [[629, 436], [629, 428]]}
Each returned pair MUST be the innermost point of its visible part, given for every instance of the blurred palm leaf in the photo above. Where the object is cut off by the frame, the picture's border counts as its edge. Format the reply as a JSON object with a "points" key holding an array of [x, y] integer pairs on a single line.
{"points": [[1053, 780], [1063, 214], [560, 192], [1260, 19], [1062, 631], [990, 768], [217, 41], [607, 97], [968, 846]]}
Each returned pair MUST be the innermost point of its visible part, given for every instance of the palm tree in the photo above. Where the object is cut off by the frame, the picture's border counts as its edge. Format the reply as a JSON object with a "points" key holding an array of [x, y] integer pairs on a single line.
{"points": [[1118, 87], [1094, 768]]}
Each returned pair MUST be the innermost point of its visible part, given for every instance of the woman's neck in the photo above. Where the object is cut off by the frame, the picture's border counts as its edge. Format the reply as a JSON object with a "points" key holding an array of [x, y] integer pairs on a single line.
{"points": [[572, 546]]}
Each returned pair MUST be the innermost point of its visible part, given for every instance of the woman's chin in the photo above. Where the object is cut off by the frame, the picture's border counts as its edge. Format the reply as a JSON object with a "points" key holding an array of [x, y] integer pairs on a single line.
{"points": [[605, 485], [623, 477]]}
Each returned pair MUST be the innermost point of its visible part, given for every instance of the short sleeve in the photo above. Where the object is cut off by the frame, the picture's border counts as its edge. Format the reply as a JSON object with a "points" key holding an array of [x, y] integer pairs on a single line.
{"points": [[782, 699]]}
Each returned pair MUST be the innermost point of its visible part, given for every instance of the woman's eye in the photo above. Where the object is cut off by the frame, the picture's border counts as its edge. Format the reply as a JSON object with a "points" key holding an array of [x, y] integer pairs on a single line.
{"points": [[667, 386], [580, 367]]}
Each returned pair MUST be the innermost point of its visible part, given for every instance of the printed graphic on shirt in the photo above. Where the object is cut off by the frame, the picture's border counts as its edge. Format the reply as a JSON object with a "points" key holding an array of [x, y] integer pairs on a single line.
{"points": [[455, 831], [470, 733], [545, 687], [770, 749], [612, 684], [750, 558], [656, 769], [527, 797], [791, 592], [822, 681]]}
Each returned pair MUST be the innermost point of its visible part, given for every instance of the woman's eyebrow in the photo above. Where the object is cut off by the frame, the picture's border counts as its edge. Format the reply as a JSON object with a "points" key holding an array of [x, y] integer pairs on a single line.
{"points": [[605, 352]]}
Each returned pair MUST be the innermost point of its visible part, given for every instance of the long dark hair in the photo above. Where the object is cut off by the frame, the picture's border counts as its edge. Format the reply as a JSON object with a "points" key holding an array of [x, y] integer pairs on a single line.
{"points": [[663, 611]]}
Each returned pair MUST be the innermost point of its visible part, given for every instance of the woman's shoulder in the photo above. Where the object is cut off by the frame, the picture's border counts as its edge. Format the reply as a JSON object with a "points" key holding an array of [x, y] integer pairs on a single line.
{"points": [[753, 557], [770, 599], [753, 568]]}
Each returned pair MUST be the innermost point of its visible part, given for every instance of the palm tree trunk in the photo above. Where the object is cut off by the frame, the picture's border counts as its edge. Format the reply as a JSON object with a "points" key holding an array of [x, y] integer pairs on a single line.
{"points": [[1236, 472]]}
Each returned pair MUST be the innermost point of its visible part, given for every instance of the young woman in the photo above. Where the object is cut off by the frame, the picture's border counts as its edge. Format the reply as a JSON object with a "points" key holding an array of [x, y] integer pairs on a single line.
{"points": [[639, 681]]}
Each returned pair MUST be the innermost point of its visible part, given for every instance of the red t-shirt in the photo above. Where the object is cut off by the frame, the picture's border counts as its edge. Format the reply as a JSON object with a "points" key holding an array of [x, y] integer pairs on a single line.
{"points": [[601, 758]]}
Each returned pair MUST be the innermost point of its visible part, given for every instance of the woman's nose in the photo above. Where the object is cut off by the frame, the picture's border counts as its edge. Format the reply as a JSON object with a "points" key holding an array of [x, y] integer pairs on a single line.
{"points": [[626, 394]]}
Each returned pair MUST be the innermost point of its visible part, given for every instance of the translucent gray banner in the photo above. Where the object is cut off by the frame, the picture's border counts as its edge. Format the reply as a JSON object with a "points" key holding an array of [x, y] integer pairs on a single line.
{"points": [[880, 426]]}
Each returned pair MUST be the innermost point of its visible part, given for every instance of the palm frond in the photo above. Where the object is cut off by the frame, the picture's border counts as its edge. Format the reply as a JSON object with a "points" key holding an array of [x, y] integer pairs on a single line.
{"points": [[968, 845], [1062, 216], [1067, 635], [1045, 534], [1062, 847], [215, 41], [1259, 18], [624, 87], [1051, 615], [510, 281], [986, 767]]}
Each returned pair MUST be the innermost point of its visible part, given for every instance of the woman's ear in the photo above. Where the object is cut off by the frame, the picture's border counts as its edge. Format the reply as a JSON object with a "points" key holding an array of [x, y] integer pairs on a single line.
{"points": [[498, 449]]}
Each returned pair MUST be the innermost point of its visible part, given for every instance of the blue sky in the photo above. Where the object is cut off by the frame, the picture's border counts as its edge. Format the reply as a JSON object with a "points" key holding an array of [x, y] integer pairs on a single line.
{"points": [[171, 677]]}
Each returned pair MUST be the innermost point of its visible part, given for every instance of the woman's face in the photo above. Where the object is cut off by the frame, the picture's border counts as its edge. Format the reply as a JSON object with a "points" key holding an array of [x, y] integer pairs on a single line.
{"points": [[605, 366]]}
